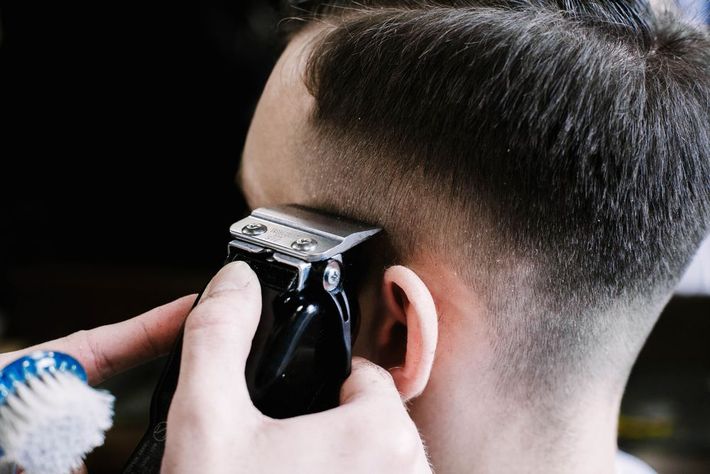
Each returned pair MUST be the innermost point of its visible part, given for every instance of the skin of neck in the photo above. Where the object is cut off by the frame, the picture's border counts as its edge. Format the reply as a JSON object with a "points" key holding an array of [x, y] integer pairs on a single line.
{"points": [[467, 426]]}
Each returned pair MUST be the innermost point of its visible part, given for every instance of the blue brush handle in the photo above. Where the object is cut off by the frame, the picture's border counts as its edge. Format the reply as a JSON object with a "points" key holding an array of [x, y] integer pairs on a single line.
{"points": [[34, 365]]}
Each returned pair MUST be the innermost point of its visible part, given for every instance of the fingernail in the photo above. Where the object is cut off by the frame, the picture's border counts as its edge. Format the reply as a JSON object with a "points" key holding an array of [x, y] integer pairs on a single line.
{"points": [[233, 276]]}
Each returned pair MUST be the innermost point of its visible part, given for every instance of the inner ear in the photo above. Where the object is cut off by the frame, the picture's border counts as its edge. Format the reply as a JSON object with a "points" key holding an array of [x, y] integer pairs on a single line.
{"points": [[408, 332], [392, 347], [399, 297], [392, 334]]}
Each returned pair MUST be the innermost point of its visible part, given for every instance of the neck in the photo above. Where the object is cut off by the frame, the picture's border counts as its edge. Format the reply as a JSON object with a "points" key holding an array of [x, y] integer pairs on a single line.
{"points": [[468, 426], [467, 429]]}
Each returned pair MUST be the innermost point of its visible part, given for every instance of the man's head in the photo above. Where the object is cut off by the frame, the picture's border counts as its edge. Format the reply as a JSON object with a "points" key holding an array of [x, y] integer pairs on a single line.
{"points": [[549, 157]]}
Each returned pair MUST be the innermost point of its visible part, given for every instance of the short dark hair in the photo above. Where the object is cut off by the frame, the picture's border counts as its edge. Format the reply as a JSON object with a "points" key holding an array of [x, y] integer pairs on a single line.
{"points": [[554, 153]]}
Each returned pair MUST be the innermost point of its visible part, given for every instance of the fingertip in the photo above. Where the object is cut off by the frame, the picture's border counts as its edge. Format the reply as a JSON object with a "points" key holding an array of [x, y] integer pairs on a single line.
{"points": [[234, 289], [180, 306], [236, 275], [361, 363], [365, 368], [366, 379], [170, 316], [187, 299]]}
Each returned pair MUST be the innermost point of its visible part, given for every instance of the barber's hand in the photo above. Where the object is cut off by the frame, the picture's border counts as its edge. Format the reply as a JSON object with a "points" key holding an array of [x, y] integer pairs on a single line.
{"points": [[214, 427], [108, 350]]}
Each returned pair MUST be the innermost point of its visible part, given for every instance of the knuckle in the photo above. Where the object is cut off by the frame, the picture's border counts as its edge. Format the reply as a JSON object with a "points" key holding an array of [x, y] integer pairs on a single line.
{"points": [[387, 432], [210, 419], [400, 435], [90, 353], [152, 346], [405, 446]]}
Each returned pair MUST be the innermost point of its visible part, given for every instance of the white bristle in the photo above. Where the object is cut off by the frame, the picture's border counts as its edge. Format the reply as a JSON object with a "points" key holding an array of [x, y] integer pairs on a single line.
{"points": [[52, 422]]}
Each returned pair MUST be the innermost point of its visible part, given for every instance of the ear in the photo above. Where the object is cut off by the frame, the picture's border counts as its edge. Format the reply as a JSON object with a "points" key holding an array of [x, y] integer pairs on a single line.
{"points": [[408, 334]]}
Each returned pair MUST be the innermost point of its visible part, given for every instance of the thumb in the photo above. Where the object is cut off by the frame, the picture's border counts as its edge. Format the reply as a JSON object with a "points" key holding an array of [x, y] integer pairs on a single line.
{"points": [[218, 335]]}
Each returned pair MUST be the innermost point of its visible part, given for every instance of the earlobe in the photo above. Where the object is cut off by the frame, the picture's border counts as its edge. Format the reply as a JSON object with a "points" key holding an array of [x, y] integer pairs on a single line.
{"points": [[410, 323]]}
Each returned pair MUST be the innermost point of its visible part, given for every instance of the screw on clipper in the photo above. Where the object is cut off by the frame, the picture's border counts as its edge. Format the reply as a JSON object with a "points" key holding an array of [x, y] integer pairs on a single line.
{"points": [[305, 244], [254, 229]]}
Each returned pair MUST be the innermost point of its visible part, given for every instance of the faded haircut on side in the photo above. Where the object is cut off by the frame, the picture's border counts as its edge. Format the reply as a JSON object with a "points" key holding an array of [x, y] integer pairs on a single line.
{"points": [[554, 154]]}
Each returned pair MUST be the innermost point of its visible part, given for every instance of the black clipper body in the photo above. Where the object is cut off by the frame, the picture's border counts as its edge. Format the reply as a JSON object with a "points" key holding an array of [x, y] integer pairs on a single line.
{"points": [[306, 263], [301, 352]]}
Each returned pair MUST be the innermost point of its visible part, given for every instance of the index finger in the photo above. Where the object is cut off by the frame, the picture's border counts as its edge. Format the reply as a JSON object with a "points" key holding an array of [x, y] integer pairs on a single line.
{"points": [[108, 350]]}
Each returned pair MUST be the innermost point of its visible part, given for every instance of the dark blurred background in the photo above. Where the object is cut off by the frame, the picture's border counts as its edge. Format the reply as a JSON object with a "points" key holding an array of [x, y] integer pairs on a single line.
{"points": [[122, 126]]}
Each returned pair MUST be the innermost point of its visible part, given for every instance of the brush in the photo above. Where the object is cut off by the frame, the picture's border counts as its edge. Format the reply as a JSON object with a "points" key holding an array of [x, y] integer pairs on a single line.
{"points": [[50, 418]]}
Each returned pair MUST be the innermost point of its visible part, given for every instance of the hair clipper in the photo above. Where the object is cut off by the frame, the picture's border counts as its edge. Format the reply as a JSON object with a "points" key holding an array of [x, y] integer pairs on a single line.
{"points": [[301, 353]]}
